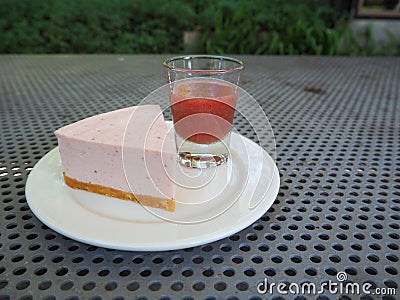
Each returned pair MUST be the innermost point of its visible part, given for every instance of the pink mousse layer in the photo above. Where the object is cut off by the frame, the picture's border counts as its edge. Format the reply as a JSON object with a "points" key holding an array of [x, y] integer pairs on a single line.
{"points": [[127, 149]]}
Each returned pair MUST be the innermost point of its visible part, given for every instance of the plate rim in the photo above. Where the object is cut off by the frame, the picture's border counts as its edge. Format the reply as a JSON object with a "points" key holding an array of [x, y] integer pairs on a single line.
{"points": [[246, 219]]}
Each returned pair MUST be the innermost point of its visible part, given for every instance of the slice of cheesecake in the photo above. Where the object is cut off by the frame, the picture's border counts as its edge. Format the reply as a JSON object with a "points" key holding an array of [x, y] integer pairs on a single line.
{"points": [[126, 154]]}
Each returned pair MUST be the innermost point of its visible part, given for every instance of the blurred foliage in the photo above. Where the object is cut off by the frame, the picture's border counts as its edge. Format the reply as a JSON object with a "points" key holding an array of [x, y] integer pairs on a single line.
{"points": [[156, 26], [93, 26], [270, 27], [361, 42]]}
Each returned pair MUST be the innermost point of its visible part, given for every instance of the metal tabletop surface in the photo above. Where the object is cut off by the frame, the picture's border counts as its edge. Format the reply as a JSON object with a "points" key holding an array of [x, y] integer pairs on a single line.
{"points": [[335, 221]]}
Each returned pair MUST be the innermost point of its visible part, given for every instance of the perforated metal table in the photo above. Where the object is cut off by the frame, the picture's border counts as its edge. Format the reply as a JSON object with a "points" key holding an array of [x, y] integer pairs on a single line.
{"points": [[336, 122]]}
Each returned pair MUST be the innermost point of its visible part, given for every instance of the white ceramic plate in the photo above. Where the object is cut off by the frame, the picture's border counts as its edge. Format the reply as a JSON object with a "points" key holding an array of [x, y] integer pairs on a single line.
{"points": [[234, 197]]}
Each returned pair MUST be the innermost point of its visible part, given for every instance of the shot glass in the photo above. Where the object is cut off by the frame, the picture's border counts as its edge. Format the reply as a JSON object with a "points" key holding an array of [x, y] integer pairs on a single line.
{"points": [[203, 90]]}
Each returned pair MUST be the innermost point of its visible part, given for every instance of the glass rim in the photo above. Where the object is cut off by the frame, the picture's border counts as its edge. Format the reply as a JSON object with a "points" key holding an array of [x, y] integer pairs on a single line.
{"points": [[240, 63]]}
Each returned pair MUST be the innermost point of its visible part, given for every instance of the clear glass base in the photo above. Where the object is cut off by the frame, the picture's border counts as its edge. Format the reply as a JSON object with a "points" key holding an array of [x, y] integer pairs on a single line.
{"points": [[201, 156], [201, 160]]}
